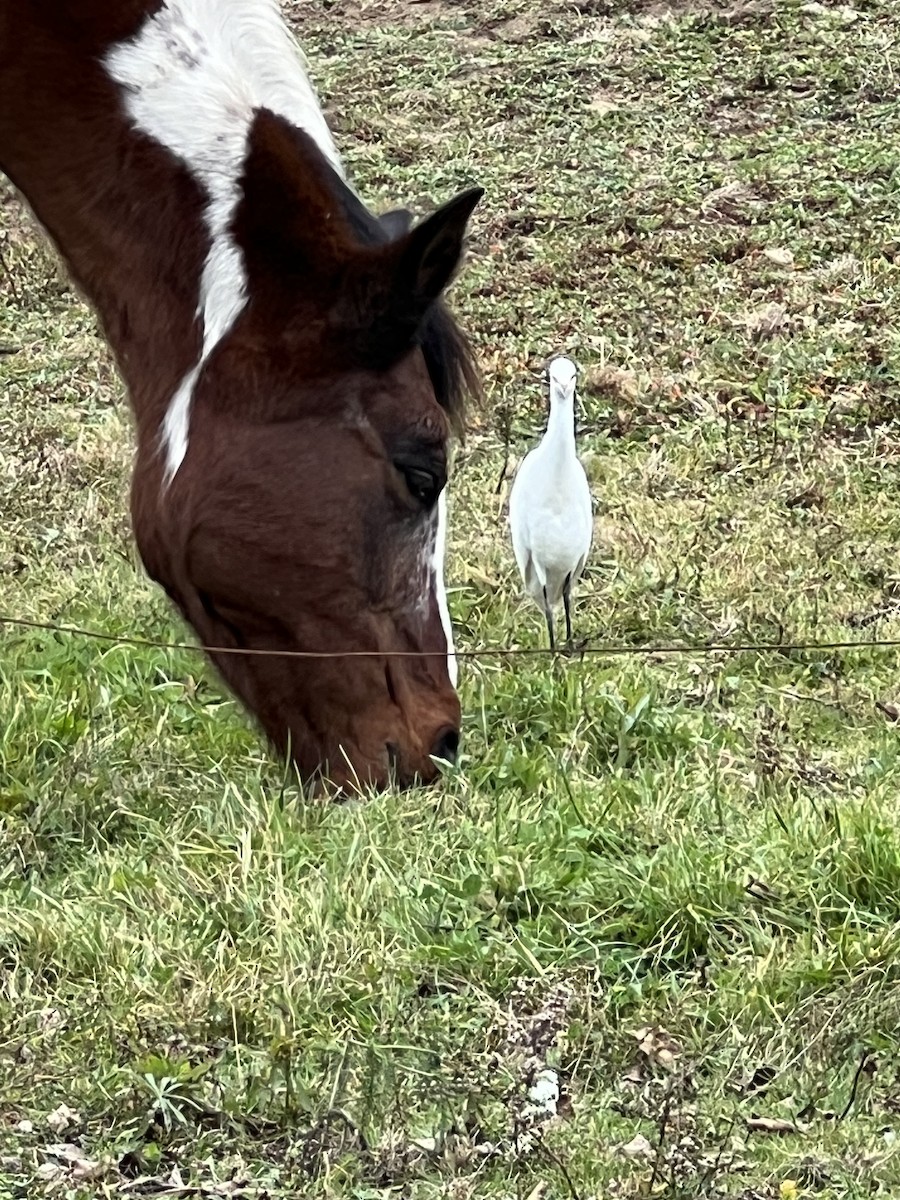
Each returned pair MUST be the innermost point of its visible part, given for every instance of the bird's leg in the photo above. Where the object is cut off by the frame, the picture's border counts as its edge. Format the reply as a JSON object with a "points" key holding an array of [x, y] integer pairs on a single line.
{"points": [[567, 605], [549, 615]]}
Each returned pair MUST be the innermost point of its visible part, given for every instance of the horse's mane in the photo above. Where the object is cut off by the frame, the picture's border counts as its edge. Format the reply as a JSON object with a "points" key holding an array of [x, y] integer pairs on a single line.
{"points": [[451, 364]]}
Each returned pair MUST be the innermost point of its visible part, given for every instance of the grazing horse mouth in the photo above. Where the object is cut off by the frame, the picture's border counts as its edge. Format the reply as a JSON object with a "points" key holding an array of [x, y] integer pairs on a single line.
{"points": [[444, 750], [354, 763], [395, 766], [390, 722], [390, 771]]}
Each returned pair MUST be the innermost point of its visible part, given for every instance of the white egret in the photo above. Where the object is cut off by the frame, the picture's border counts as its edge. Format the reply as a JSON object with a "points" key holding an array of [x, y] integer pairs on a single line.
{"points": [[550, 515]]}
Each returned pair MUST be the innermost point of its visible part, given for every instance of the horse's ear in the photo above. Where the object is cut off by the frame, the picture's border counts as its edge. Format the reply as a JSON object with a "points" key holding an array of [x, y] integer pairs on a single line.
{"points": [[399, 283], [430, 253], [295, 216], [396, 223]]}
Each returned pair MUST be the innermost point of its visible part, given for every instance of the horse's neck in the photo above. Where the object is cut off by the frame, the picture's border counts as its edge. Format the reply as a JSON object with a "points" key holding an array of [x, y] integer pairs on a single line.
{"points": [[126, 135], [123, 213]]}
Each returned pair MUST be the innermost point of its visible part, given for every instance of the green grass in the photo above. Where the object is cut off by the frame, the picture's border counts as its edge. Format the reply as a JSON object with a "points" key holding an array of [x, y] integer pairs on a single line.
{"points": [[232, 983]]}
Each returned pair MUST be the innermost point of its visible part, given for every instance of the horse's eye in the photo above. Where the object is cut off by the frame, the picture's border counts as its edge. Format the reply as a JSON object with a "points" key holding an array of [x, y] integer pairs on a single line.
{"points": [[422, 484]]}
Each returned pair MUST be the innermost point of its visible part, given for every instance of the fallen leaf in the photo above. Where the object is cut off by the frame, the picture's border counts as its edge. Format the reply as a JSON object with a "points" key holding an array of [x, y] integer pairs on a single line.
{"points": [[766, 321], [656, 1043], [634, 1076], [428, 1144], [63, 1119], [846, 268], [843, 13], [49, 1018], [758, 889], [638, 1147], [477, 576], [727, 200], [73, 1157], [772, 1125], [778, 255], [602, 104], [616, 383]]}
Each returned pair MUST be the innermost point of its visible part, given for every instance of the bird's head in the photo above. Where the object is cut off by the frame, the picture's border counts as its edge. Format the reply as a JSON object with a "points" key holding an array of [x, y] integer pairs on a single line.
{"points": [[562, 373]]}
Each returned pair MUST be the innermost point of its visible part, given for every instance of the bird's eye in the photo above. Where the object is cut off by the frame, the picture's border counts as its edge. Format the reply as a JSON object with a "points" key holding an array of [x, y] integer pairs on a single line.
{"points": [[422, 484]]}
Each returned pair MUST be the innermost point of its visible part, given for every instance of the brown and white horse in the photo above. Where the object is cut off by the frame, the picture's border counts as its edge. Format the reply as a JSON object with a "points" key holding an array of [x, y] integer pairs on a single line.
{"points": [[293, 369]]}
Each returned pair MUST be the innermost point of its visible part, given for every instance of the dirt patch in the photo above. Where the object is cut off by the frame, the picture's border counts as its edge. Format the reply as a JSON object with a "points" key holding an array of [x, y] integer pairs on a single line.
{"points": [[519, 28], [729, 11], [493, 25], [360, 14]]}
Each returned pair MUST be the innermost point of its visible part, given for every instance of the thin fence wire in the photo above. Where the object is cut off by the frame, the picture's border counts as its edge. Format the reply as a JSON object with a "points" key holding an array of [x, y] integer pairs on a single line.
{"points": [[582, 648]]}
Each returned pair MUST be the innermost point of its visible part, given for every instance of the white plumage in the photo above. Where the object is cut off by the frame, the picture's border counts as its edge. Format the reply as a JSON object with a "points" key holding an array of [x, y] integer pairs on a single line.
{"points": [[550, 516]]}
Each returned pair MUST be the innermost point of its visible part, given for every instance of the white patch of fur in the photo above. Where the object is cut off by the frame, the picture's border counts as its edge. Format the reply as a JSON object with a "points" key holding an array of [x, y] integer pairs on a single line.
{"points": [[192, 78], [437, 575]]}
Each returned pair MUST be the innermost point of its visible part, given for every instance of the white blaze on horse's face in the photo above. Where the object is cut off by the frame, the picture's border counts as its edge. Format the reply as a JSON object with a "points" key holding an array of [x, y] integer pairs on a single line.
{"points": [[430, 578], [437, 575], [192, 78]]}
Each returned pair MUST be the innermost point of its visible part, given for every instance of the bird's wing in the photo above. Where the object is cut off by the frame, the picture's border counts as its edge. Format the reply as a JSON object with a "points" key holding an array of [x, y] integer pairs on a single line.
{"points": [[534, 579], [518, 513], [523, 558], [528, 571]]}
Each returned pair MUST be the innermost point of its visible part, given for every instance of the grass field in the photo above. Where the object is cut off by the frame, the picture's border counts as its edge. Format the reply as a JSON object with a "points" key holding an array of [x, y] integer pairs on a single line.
{"points": [[672, 880]]}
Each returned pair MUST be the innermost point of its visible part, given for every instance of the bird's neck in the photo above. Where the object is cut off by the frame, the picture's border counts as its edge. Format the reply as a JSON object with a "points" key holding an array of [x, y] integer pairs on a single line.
{"points": [[560, 436]]}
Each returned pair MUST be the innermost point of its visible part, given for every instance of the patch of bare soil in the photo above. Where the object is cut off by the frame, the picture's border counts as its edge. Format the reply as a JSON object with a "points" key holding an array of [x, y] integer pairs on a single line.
{"points": [[518, 27], [361, 13], [653, 8], [733, 12]]}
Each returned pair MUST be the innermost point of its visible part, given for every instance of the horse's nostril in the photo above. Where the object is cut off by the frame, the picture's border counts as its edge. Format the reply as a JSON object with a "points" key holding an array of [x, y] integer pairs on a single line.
{"points": [[446, 745]]}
